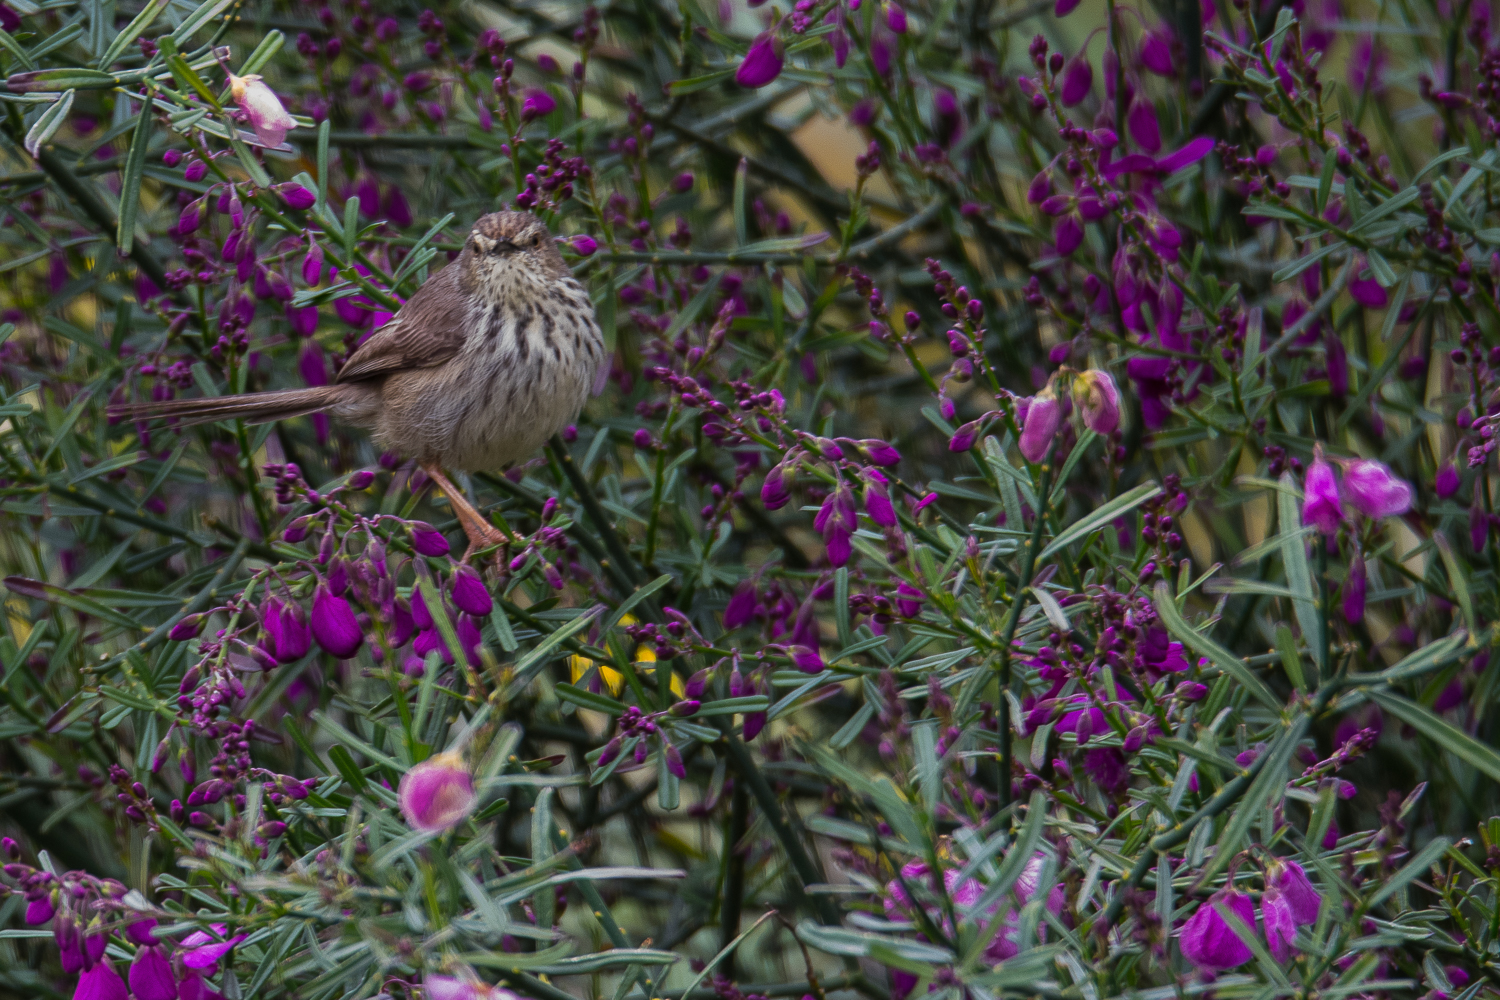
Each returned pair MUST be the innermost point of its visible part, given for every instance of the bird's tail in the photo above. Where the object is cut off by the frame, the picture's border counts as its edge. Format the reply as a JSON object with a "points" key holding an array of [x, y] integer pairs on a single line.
{"points": [[254, 407]]}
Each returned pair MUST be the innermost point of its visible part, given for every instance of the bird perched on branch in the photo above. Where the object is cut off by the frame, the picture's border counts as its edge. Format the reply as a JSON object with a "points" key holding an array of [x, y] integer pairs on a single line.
{"points": [[493, 355]]}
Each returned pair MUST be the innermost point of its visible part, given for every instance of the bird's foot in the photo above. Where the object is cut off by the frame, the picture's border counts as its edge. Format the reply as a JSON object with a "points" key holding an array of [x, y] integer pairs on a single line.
{"points": [[484, 536]]}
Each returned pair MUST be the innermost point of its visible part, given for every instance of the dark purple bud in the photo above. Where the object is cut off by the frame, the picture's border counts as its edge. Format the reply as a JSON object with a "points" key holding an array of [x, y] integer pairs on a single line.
{"points": [[806, 659], [296, 196], [470, 594], [186, 629], [741, 608], [334, 625], [427, 540]]}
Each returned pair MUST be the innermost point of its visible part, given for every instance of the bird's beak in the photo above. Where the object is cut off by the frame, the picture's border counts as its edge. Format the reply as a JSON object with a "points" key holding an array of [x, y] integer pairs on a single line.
{"points": [[505, 246]]}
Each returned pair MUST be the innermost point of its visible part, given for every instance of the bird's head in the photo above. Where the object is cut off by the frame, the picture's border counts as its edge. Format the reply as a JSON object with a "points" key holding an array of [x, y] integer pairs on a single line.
{"points": [[509, 252]]}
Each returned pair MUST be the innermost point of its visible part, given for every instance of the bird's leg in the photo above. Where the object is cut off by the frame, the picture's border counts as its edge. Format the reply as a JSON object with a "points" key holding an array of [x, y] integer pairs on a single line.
{"points": [[482, 534]]}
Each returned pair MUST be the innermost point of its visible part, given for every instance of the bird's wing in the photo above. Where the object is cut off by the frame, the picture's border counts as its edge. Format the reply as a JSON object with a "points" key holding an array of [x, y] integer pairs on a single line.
{"points": [[427, 330]]}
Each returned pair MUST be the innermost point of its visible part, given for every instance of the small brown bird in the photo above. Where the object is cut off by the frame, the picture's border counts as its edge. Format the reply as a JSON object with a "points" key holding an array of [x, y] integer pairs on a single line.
{"points": [[497, 352]]}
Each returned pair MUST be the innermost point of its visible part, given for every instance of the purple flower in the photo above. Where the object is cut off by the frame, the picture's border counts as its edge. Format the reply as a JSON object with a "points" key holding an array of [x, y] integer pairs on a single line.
{"points": [[40, 910], [264, 109], [1302, 897], [908, 600], [1062, 8], [302, 320], [1143, 126], [583, 245], [1368, 293], [1068, 235], [139, 932], [1156, 52], [878, 500], [1355, 585], [1321, 506], [1374, 490], [437, 794], [203, 952], [880, 452], [775, 492], [806, 659], [1098, 399], [1042, 421], [762, 62], [333, 624], [287, 636], [453, 988], [427, 540], [1276, 914], [296, 196], [836, 522], [101, 982], [895, 18], [741, 608], [963, 439], [1077, 80], [151, 975], [1446, 483], [537, 104], [1207, 939], [470, 594]]}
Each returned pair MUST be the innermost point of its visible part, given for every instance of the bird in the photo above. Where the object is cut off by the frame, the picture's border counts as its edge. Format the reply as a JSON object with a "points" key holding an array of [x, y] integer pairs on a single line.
{"points": [[489, 358]]}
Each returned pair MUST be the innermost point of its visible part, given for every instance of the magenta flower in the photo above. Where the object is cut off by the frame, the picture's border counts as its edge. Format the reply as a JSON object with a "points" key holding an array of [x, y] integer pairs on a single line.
{"points": [[908, 600], [762, 63], [1062, 8], [1042, 421], [1321, 506], [101, 982], [775, 492], [427, 540], [1143, 126], [878, 500], [470, 594], [287, 636], [296, 196], [1276, 915], [333, 624], [1446, 483], [1068, 235], [1355, 586], [880, 452], [1302, 897], [806, 659], [836, 522], [1077, 80], [1207, 939], [264, 109], [583, 245], [1374, 490], [537, 104], [1156, 52], [963, 439], [895, 18], [1098, 399], [741, 607], [437, 794], [151, 975], [1368, 293], [468, 988], [201, 951]]}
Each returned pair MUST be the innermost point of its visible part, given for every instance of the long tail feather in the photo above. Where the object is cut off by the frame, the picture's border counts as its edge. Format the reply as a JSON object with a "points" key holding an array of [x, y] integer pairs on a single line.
{"points": [[254, 408]]}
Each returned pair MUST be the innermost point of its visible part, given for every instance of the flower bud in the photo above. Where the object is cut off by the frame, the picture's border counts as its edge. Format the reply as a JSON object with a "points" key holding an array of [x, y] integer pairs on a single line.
{"points": [[427, 540], [1321, 505], [762, 63], [334, 625], [470, 594], [296, 196], [1042, 421]]}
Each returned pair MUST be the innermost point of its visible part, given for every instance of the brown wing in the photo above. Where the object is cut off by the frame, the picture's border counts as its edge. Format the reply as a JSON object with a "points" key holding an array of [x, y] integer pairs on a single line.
{"points": [[426, 331]]}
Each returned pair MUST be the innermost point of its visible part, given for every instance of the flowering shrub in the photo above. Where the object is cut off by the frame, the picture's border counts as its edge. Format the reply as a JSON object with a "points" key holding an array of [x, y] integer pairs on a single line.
{"points": [[1034, 538]]}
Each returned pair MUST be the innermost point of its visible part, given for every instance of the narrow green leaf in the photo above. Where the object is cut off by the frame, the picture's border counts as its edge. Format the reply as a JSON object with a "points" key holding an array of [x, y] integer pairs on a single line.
{"points": [[1298, 574], [588, 699], [1452, 739], [131, 32], [1166, 608], [1414, 869], [130, 185], [1247, 811], [47, 125], [527, 667], [1101, 517]]}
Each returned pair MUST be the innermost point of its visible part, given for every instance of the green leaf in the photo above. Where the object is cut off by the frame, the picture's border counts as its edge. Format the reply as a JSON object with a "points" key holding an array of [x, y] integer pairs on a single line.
{"points": [[52, 593], [1100, 518], [1457, 577], [130, 185], [1429, 657], [131, 32], [1413, 869], [1272, 776], [588, 699], [732, 706], [527, 667], [205, 12], [47, 125], [1166, 608], [1452, 739], [1298, 573], [692, 85], [350, 771]]}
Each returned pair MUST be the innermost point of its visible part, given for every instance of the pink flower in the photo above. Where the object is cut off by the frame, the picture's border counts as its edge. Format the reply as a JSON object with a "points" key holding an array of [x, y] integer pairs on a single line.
{"points": [[261, 105], [296, 196], [1302, 897], [1321, 506], [538, 104], [762, 63], [1207, 939], [203, 952], [584, 246], [437, 794], [427, 540], [1098, 399], [467, 988], [101, 982], [1042, 421], [1374, 490], [1276, 914], [287, 636], [880, 452]]}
